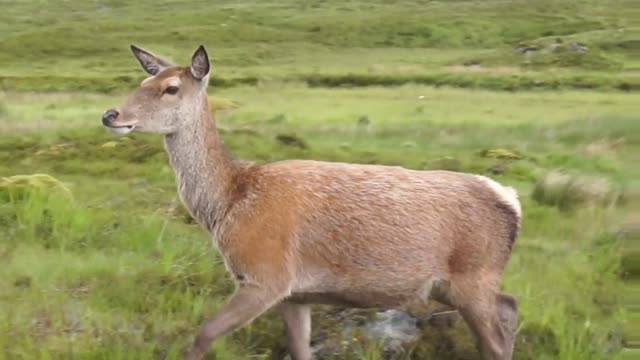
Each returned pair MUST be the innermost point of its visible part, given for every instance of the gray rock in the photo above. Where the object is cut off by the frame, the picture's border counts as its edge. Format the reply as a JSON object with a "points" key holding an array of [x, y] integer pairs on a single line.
{"points": [[394, 328], [578, 47]]}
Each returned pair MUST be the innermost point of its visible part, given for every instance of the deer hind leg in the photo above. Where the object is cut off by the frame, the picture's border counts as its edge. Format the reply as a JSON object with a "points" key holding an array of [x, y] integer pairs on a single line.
{"points": [[490, 315], [508, 316], [297, 319]]}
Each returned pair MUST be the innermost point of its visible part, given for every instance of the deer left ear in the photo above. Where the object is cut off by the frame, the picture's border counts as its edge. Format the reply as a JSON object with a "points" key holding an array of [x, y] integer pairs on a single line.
{"points": [[200, 65], [150, 63]]}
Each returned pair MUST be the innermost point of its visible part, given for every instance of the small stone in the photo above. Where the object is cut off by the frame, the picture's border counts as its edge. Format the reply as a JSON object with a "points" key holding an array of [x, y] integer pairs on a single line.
{"points": [[578, 47]]}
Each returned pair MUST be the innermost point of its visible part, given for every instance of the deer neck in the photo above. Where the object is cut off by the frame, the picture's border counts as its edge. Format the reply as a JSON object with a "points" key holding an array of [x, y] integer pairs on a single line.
{"points": [[204, 168]]}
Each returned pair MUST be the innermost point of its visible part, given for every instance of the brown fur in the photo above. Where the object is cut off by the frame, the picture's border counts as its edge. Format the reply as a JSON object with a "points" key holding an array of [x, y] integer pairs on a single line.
{"points": [[300, 232]]}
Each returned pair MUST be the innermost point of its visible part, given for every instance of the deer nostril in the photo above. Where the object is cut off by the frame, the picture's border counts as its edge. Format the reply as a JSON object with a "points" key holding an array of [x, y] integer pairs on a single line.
{"points": [[109, 116]]}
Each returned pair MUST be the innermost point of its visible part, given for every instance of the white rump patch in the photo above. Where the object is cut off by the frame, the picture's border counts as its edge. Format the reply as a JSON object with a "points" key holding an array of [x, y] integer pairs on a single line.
{"points": [[508, 194]]}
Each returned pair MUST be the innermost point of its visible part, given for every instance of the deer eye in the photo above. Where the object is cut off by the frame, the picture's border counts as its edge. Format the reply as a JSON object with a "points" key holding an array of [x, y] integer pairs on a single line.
{"points": [[171, 90]]}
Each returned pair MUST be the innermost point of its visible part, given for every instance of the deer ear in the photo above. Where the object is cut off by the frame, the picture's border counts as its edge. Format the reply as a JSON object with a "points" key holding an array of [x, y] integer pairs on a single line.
{"points": [[150, 63], [200, 63]]}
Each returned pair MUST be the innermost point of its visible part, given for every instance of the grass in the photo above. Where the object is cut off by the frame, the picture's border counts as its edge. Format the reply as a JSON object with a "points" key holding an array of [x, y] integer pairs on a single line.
{"points": [[324, 41], [118, 271], [108, 264]]}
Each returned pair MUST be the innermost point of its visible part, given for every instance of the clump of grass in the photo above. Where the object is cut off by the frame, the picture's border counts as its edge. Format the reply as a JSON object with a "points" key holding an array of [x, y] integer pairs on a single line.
{"points": [[567, 191], [38, 209], [20, 186]]}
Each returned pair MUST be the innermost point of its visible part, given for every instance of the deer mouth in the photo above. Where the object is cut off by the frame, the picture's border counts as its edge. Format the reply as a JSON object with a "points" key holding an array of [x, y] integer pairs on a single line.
{"points": [[121, 129]]}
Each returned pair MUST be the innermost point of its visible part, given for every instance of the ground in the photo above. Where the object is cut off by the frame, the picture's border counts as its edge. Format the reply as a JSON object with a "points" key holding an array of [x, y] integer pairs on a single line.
{"points": [[101, 262]]}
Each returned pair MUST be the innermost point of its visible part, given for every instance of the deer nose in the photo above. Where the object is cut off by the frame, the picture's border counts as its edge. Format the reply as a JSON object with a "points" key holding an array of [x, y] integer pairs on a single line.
{"points": [[109, 116]]}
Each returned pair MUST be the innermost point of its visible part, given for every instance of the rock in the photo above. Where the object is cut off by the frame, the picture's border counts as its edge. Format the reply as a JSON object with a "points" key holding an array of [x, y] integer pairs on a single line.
{"points": [[394, 328], [577, 47], [362, 329]]}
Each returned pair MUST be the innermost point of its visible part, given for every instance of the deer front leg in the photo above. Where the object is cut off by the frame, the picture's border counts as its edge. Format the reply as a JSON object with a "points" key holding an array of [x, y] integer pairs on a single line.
{"points": [[246, 304], [297, 319]]}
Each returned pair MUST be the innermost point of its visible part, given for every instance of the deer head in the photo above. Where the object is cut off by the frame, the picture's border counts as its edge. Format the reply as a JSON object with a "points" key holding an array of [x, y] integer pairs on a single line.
{"points": [[165, 101]]}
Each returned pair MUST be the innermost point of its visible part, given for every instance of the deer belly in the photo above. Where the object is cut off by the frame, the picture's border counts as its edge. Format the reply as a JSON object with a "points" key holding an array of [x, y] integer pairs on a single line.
{"points": [[350, 298]]}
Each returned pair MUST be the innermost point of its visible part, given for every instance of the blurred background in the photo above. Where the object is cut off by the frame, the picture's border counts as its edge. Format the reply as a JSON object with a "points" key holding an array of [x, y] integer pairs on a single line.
{"points": [[98, 259]]}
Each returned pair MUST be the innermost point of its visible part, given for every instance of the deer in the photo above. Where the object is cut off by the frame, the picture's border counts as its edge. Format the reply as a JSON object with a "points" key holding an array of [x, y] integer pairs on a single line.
{"points": [[295, 233]]}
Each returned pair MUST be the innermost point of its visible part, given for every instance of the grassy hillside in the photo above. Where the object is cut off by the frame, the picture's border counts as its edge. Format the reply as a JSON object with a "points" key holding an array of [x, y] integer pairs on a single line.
{"points": [[104, 263], [66, 44]]}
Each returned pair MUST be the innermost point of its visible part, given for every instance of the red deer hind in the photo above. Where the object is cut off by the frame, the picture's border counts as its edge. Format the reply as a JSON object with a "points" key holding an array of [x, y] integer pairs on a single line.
{"points": [[298, 232]]}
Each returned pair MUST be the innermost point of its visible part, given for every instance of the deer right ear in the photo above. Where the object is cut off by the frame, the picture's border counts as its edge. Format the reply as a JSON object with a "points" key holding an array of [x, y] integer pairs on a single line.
{"points": [[200, 65], [150, 63]]}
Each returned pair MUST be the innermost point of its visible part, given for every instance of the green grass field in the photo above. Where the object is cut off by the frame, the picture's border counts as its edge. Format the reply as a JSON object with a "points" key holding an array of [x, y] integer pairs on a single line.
{"points": [[106, 264]]}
